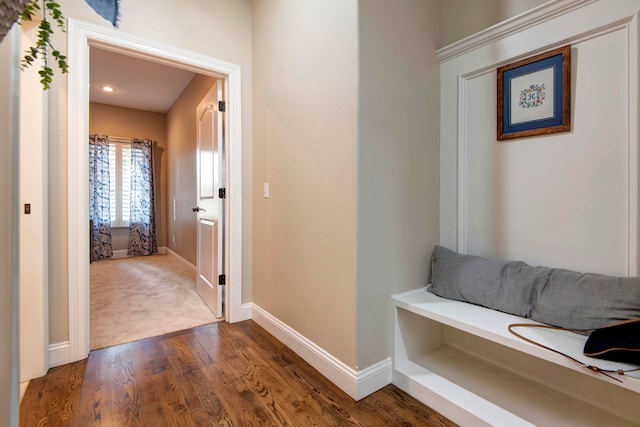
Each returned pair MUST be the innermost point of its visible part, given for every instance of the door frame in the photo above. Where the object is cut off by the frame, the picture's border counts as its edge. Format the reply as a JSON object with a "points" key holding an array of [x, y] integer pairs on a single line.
{"points": [[82, 36]]}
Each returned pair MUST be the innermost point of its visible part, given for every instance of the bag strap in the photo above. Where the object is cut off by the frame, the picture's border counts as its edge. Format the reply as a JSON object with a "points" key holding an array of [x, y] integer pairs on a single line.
{"points": [[621, 322], [605, 372]]}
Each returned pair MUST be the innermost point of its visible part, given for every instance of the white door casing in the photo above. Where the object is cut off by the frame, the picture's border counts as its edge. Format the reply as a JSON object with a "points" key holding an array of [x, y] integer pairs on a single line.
{"points": [[210, 208], [81, 36]]}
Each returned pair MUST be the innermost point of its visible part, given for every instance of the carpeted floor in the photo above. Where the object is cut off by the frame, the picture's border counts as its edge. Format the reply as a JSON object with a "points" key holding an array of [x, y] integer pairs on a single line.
{"points": [[142, 297]]}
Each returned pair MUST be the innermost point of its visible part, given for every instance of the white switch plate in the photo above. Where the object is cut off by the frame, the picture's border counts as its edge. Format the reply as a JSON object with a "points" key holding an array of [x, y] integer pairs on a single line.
{"points": [[265, 191]]}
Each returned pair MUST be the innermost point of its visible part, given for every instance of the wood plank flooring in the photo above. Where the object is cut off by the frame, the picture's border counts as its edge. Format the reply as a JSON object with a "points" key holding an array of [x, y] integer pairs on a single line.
{"points": [[214, 375]]}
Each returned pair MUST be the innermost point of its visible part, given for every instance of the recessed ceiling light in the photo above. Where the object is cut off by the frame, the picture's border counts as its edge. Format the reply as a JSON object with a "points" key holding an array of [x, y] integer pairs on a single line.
{"points": [[108, 89]]}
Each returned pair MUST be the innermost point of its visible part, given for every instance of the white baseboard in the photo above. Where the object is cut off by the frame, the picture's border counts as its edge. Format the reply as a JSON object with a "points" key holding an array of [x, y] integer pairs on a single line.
{"points": [[246, 311], [59, 354], [23, 389], [178, 258], [119, 254], [122, 253], [357, 384]]}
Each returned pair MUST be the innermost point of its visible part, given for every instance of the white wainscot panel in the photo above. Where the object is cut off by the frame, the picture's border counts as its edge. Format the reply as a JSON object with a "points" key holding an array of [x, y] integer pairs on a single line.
{"points": [[561, 200]]}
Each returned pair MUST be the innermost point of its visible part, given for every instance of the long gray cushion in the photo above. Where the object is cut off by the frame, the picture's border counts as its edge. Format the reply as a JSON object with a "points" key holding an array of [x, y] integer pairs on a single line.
{"points": [[572, 300]]}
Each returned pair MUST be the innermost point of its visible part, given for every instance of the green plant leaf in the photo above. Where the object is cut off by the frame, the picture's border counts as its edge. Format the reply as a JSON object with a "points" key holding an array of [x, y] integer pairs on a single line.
{"points": [[47, 9]]}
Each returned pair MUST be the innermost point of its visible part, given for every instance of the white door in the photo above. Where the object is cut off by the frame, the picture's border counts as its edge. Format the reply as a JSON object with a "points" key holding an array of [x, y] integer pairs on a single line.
{"points": [[210, 208]]}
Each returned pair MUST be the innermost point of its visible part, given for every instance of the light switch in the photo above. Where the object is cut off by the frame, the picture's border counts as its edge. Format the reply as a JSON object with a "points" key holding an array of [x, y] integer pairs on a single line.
{"points": [[265, 191]]}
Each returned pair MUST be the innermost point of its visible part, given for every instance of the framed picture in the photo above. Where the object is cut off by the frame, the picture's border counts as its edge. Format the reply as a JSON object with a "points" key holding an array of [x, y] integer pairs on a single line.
{"points": [[534, 95]]}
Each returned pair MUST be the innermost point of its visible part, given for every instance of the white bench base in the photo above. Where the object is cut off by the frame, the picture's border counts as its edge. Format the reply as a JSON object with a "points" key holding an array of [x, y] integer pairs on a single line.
{"points": [[461, 360]]}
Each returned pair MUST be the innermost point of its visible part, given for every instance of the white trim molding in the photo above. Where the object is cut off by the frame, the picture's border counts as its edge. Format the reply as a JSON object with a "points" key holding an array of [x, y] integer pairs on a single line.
{"points": [[59, 354], [247, 311], [521, 22], [186, 264], [122, 253], [23, 389], [82, 36], [357, 384]]}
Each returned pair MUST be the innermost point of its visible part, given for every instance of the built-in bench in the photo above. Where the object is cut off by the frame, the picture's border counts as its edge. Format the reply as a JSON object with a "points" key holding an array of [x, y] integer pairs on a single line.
{"points": [[460, 359]]}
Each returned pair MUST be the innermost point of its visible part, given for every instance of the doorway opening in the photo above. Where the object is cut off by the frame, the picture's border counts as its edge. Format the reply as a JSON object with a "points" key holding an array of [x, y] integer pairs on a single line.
{"points": [[145, 296], [82, 37]]}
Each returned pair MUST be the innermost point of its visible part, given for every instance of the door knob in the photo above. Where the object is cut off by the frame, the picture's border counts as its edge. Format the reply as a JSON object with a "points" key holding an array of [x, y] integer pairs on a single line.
{"points": [[198, 209]]}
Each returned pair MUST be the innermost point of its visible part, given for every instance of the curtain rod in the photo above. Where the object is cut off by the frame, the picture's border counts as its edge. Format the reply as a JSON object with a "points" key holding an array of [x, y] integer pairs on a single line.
{"points": [[119, 139], [123, 140]]}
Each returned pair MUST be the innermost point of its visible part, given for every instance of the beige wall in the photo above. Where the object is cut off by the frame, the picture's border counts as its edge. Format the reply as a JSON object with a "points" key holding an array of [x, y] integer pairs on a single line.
{"points": [[131, 123], [8, 230], [220, 29], [181, 156], [306, 146], [305, 116], [398, 160], [462, 18]]}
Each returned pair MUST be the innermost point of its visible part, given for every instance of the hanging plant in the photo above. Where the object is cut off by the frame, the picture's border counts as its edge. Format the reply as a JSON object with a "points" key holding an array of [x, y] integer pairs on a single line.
{"points": [[50, 10]]}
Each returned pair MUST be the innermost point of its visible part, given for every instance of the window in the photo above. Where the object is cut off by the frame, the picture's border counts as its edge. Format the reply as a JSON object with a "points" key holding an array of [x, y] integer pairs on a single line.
{"points": [[120, 185]]}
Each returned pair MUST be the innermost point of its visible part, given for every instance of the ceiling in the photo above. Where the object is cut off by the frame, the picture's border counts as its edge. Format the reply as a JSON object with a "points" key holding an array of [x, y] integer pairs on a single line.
{"points": [[138, 83]]}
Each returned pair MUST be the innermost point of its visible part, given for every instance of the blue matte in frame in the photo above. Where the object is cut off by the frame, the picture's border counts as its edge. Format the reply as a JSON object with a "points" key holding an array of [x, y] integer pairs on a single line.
{"points": [[556, 63]]}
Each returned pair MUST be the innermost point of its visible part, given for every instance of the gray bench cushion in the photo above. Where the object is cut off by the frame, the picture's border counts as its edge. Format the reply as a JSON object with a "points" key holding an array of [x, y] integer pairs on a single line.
{"points": [[572, 300]]}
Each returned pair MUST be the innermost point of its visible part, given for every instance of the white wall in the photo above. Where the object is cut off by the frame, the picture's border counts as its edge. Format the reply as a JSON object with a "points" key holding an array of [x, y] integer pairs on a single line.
{"points": [[564, 200], [9, 78], [398, 160]]}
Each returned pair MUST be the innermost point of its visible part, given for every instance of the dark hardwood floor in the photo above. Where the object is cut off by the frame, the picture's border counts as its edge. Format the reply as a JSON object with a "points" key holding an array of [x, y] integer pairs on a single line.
{"points": [[214, 375]]}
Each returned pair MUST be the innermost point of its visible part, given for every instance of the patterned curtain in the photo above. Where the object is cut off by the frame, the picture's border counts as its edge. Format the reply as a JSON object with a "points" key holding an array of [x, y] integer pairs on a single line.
{"points": [[142, 223], [99, 206]]}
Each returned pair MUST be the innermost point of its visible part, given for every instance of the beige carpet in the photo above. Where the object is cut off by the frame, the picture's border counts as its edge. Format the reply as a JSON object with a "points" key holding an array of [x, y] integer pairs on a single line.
{"points": [[142, 297]]}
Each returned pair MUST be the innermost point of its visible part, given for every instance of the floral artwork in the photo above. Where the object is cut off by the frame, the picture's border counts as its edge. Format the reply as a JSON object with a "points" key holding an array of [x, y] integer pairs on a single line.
{"points": [[533, 96]]}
